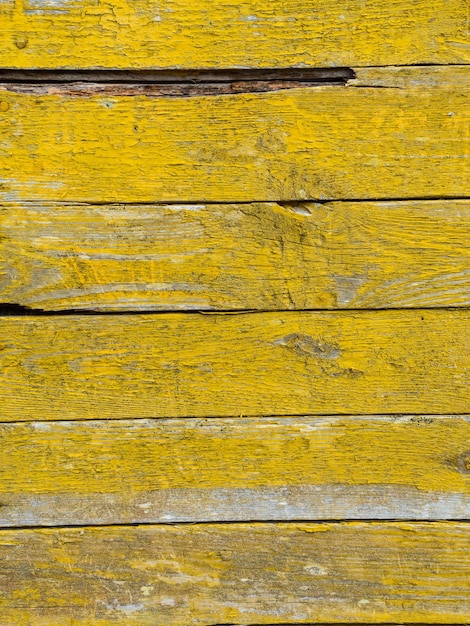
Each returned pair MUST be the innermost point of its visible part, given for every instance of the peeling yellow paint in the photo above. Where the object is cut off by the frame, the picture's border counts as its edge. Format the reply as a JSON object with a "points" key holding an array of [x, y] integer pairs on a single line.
{"points": [[175, 34], [389, 132]]}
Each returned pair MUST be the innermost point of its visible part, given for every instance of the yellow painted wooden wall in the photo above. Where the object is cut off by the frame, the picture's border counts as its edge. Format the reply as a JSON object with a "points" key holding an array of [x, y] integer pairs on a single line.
{"points": [[234, 321]]}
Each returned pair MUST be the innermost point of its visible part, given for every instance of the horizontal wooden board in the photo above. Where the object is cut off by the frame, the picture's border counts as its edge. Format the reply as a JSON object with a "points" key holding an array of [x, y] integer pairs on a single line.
{"points": [[127, 472], [254, 256], [392, 77], [332, 142], [201, 34], [172, 365], [237, 574]]}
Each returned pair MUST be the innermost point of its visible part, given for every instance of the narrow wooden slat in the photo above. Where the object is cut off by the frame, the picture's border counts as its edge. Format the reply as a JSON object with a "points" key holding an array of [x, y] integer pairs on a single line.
{"points": [[92, 144], [172, 365], [126, 472], [237, 574], [402, 77], [259, 256], [173, 33]]}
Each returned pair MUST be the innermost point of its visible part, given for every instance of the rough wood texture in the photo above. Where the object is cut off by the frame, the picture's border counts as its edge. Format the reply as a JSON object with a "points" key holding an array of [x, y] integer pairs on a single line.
{"points": [[237, 574], [258, 256], [404, 77], [240, 115], [172, 365], [202, 33], [334, 142], [122, 472]]}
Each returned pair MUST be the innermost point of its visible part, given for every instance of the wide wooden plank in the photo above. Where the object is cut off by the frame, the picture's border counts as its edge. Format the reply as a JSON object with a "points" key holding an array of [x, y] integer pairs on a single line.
{"points": [[237, 574], [205, 34], [127, 472], [91, 144], [172, 365], [255, 256]]}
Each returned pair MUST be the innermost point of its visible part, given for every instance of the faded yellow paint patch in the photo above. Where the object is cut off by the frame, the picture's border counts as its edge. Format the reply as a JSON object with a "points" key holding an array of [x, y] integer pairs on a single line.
{"points": [[296, 144], [255, 256], [174, 365], [176, 34], [272, 573], [426, 453]]}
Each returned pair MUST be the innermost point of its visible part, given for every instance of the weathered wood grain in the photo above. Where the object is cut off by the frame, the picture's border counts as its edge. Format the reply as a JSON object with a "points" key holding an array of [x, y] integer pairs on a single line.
{"points": [[331, 142], [182, 365], [237, 574], [176, 34], [404, 77], [127, 472], [255, 256]]}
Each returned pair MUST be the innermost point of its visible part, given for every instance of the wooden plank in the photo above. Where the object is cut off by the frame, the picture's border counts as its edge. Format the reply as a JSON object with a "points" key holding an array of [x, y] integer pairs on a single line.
{"points": [[255, 256], [401, 77], [183, 365], [237, 574], [204, 34], [92, 144], [128, 472]]}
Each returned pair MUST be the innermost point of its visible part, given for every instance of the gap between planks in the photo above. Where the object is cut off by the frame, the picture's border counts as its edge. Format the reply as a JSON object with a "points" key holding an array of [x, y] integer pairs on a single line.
{"points": [[243, 522], [203, 82], [8, 310], [265, 416], [313, 75], [189, 203]]}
